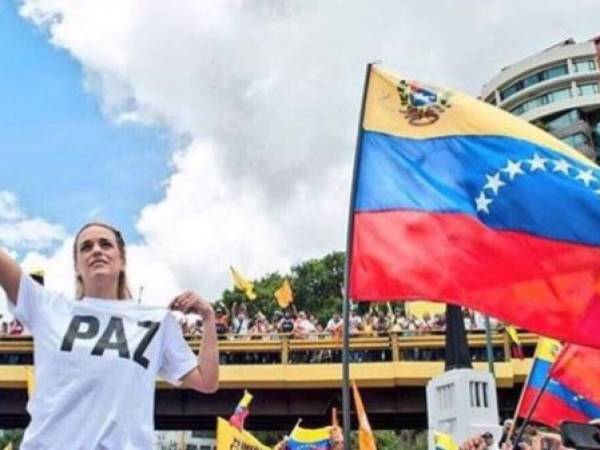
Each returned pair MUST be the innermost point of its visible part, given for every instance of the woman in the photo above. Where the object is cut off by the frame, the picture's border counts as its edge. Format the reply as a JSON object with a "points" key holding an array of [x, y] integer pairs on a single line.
{"points": [[97, 356]]}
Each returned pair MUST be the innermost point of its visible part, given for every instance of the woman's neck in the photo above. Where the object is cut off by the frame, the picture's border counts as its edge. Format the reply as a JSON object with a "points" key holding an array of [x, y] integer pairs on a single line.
{"points": [[108, 291]]}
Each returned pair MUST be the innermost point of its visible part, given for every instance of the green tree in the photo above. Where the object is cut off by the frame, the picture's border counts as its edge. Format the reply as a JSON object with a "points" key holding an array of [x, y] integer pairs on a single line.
{"points": [[316, 285], [11, 436]]}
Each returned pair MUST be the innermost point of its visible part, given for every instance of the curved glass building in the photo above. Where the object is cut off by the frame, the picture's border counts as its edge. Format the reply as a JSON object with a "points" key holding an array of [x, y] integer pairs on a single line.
{"points": [[557, 89]]}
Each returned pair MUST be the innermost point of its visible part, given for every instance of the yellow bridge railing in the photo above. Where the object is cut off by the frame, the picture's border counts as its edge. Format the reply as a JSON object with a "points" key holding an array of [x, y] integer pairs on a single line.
{"points": [[283, 345]]}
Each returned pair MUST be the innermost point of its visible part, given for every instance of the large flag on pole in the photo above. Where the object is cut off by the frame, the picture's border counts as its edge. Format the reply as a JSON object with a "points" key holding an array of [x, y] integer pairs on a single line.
{"points": [[458, 201]]}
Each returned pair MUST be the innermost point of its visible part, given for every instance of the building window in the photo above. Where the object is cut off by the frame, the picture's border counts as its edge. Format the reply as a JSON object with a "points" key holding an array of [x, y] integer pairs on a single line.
{"points": [[545, 99], [563, 121], [513, 89], [589, 89], [538, 77], [576, 140], [584, 65], [478, 394], [596, 133]]}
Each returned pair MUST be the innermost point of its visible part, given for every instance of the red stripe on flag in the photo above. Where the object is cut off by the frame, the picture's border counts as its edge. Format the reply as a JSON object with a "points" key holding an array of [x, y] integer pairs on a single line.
{"points": [[540, 284], [579, 370]]}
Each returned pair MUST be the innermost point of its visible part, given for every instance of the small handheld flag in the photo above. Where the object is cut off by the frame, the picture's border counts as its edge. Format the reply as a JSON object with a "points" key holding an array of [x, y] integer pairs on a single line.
{"points": [[284, 294], [516, 348], [244, 285], [238, 417], [366, 440]]}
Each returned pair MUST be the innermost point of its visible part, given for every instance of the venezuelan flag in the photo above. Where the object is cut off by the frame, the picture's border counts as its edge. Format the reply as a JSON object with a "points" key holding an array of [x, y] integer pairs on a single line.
{"points": [[558, 402], [309, 438], [457, 201], [579, 369]]}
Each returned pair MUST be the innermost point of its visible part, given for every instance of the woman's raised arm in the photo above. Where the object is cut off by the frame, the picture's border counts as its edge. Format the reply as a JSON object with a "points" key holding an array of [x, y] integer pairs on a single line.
{"points": [[10, 274]]}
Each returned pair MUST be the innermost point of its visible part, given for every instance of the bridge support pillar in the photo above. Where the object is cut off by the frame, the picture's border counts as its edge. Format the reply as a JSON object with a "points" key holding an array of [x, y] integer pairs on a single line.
{"points": [[463, 403]]}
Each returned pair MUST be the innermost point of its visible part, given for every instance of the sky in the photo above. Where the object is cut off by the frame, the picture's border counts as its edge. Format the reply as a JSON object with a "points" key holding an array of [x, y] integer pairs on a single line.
{"points": [[219, 132]]}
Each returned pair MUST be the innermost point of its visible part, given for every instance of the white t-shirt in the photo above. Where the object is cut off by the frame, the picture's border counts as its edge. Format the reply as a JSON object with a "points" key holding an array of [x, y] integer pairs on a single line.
{"points": [[96, 363]]}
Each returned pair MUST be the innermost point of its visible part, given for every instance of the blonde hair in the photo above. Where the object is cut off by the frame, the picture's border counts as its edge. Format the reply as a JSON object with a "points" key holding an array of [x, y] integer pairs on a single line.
{"points": [[123, 291]]}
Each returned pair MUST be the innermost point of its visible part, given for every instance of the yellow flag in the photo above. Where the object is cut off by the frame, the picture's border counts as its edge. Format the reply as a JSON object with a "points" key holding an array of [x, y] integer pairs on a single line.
{"points": [[420, 307], [284, 294], [366, 440], [229, 437], [242, 284], [513, 335], [443, 441]]}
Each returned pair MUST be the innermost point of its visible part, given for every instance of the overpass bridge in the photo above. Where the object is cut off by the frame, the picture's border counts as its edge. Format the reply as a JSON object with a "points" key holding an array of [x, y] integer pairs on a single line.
{"points": [[393, 389]]}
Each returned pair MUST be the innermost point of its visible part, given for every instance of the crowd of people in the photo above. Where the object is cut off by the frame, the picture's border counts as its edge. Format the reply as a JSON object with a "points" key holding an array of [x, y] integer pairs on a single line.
{"points": [[236, 323]]}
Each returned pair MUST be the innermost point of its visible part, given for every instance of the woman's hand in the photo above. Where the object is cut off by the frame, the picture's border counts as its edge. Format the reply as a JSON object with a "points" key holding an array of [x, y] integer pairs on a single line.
{"points": [[475, 443], [190, 302]]}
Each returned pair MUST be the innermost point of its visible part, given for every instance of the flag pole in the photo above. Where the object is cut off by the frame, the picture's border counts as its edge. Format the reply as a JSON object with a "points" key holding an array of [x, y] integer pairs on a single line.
{"points": [[346, 299], [488, 346], [530, 412], [516, 414]]}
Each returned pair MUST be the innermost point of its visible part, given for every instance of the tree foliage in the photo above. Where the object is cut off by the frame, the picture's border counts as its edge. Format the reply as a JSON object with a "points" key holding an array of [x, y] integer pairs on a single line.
{"points": [[11, 436]]}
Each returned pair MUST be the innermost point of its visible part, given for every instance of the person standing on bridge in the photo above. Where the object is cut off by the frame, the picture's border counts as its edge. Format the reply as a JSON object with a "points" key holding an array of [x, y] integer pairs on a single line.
{"points": [[97, 356]]}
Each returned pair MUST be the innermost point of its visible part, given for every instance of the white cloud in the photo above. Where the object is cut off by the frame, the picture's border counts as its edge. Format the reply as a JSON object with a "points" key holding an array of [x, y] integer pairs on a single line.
{"points": [[268, 93], [9, 208], [18, 231], [21, 235]]}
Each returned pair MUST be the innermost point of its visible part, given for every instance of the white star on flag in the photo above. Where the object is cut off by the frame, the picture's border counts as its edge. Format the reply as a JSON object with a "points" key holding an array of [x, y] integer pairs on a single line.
{"points": [[482, 203], [513, 169], [587, 176], [494, 182], [537, 162], [562, 166]]}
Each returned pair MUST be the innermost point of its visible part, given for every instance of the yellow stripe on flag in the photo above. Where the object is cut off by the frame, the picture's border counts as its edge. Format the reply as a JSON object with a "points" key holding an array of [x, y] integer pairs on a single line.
{"points": [[246, 399], [310, 434], [548, 349], [466, 117]]}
